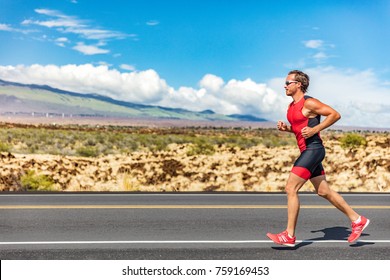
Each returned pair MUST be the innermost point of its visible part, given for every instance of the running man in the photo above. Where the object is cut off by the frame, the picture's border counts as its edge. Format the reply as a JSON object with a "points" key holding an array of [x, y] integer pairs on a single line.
{"points": [[304, 115]]}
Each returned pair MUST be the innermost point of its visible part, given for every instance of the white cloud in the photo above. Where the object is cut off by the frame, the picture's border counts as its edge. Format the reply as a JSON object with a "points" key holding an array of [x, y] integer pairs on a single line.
{"points": [[359, 96], [211, 83], [5, 27], [234, 97], [313, 44], [49, 12], [321, 48], [60, 20], [320, 56], [94, 33], [61, 41], [9, 28], [146, 87], [127, 67], [72, 25], [89, 50], [140, 87], [152, 22]]}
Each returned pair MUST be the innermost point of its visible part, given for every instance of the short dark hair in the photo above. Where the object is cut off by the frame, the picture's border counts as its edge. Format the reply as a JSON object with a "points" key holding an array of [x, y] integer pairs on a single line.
{"points": [[301, 77]]}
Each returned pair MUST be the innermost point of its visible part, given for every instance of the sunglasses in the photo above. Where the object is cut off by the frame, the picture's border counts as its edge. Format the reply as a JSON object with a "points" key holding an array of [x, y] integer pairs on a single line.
{"points": [[290, 82]]}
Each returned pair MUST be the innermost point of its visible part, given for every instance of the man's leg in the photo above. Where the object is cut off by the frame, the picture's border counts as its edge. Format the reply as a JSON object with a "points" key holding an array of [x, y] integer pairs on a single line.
{"points": [[359, 223], [294, 183], [322, 188], [287, 237]]}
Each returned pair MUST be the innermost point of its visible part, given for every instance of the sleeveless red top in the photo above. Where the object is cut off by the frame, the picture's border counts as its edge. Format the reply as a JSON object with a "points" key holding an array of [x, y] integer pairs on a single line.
{"points": [[299, 121]]}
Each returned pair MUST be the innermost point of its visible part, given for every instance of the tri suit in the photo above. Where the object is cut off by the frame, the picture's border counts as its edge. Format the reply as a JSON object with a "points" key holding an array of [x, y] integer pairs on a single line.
{"points": [[308, 165]]}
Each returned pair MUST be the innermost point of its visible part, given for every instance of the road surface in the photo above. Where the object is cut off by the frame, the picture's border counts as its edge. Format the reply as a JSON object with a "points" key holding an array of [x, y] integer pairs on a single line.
{"points": [[183, 226]]}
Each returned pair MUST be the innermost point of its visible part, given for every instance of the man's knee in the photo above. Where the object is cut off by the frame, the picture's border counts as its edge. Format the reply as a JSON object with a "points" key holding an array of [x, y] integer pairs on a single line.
{"points": [[321, 186], [294, 184], [323, 193]]}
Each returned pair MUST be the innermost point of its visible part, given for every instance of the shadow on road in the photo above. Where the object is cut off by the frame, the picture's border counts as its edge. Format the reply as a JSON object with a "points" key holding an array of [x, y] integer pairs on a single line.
{"points": [[332, 233]]}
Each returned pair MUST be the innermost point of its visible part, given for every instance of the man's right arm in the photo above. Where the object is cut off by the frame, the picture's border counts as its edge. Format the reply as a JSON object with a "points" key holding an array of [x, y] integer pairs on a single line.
{"points": [[282, 126]]}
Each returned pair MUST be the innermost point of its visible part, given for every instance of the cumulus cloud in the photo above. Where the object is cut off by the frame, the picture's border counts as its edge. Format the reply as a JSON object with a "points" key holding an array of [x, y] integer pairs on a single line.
{"points": [[147, 87], [359, 96], [211, 82], [234, 97], [139, 87]]}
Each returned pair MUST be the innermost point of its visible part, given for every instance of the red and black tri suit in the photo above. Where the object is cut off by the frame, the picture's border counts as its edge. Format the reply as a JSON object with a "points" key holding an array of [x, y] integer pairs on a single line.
{"points": [[308, 165]]}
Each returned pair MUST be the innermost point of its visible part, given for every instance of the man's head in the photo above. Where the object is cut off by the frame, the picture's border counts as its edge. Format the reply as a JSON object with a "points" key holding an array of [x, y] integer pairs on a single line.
{"points": [[300, 77]]}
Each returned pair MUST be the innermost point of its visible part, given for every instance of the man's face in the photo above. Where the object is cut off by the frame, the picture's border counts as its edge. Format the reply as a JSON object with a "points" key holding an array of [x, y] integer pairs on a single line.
{"points": [[291, 86]]}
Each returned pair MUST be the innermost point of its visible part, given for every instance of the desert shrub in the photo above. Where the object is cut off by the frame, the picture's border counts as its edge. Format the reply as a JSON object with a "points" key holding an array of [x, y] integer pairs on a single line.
{"points": [[240, 141], [35, 182], [68, 140], [272, 141], [91, 142], [352, 140], [129, 184], [4, 147], [88, 151], [201, 148]]}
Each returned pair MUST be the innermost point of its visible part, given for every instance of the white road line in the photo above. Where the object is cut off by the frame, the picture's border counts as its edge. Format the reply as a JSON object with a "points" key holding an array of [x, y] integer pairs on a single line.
{"points": [[179, 206], [183, 194], [178, 242]]}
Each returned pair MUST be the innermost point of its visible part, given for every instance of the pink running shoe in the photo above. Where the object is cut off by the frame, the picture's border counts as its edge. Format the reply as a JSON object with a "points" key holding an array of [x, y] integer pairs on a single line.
{"points": [[357, 229], [282, 238]]}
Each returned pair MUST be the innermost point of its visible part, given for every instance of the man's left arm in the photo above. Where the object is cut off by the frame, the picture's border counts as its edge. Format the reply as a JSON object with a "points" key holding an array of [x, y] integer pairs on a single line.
{"points": [[314, 107]]}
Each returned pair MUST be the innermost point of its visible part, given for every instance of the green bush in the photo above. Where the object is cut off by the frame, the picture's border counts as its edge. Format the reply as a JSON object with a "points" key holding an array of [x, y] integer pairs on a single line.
{"points": [[4, 147], [201, 148], [31, 181], [89, 151], [91, 141], [352, 140]]}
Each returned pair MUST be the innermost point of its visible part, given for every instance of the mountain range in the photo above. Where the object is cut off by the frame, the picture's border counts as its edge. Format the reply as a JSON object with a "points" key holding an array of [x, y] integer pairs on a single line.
{"points": [[31, 99]]}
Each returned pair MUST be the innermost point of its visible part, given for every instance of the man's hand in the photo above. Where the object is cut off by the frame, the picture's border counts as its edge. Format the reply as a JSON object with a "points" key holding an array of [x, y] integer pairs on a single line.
{"points": [[308, 132], [282, 126]]}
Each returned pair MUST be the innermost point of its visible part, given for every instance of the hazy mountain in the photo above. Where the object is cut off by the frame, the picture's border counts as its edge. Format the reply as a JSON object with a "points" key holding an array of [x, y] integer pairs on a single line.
{"points": [[16, 98]]}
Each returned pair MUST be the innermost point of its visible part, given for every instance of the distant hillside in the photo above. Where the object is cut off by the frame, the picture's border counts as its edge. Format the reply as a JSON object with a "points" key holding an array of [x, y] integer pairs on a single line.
{"points": [[16, 98]]}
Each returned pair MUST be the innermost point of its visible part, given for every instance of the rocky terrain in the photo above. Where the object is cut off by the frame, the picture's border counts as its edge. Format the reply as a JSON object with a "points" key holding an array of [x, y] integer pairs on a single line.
{"points": [[259, 168]]}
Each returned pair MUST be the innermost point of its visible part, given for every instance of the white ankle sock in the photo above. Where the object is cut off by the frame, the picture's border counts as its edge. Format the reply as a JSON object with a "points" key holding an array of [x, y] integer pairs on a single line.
{"points": [[358, 220]]}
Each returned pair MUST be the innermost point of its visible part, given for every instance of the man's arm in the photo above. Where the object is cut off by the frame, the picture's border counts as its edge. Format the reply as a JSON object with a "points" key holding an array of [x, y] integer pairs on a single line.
{"points": [[284, 127], [314, 107]]}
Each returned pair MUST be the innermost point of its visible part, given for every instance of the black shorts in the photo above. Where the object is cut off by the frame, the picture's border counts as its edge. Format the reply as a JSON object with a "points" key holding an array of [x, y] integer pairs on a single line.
{"points": [[309, 165]]}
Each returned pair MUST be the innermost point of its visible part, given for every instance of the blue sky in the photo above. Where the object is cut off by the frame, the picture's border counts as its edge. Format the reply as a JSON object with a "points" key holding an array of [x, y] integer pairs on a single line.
{"points": [[227, 56]]}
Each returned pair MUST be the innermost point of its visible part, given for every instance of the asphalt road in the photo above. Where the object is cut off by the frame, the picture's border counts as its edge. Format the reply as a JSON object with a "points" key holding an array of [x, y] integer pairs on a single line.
{"points": [[201, 226]]}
